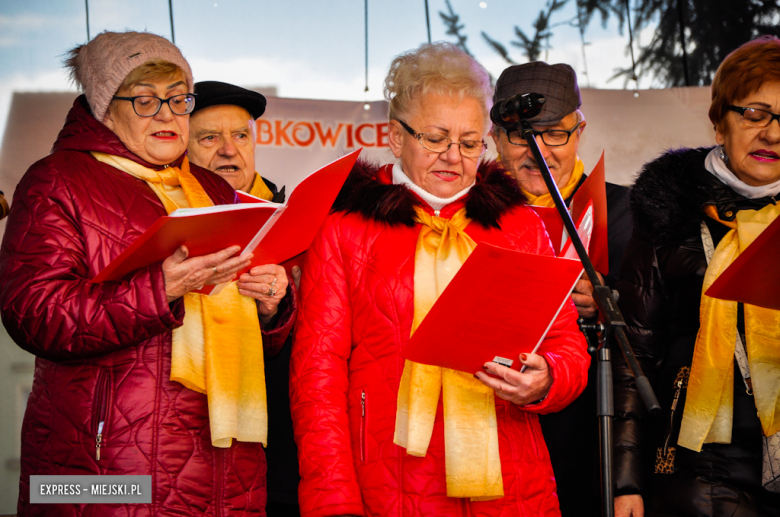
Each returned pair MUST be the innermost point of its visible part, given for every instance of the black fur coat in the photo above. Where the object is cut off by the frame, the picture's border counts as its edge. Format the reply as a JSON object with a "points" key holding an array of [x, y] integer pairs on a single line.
{"points": [[670, 192], [660, 293], [370, 194]]}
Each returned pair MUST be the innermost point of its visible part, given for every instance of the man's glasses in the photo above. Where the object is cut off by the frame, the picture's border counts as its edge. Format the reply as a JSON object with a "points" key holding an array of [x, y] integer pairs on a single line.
{"points": [[441, 144], [755, 117], [550, 137], [149, 106]]}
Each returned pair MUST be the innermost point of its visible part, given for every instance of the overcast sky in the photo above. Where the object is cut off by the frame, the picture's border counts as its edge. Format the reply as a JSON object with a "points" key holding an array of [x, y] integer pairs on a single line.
{"points": [[305, 48]]}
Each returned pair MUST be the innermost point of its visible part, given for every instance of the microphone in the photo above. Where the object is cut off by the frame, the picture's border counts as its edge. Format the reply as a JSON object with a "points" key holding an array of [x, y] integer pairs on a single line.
{"points": [[509, 112]]}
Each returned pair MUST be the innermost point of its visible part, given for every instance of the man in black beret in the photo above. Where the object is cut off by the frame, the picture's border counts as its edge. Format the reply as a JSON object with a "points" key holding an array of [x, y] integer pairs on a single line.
{"points": [[222, 136], [222, 139], [559, 126]]}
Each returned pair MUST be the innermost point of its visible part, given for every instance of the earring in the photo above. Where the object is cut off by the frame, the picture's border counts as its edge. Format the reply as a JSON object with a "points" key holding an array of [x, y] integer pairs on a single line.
{"points": [[722, 154]]}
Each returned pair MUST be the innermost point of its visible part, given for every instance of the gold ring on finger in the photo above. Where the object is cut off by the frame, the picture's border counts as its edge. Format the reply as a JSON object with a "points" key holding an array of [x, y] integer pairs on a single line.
{"points": [[214, 269]]}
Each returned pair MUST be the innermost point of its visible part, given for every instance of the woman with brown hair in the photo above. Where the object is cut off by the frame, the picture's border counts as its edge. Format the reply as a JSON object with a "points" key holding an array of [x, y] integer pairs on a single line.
{"points": [[714, 364]]}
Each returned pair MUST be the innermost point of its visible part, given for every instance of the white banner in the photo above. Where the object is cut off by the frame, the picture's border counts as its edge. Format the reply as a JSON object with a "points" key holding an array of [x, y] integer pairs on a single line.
{"points": [[297, 136]]}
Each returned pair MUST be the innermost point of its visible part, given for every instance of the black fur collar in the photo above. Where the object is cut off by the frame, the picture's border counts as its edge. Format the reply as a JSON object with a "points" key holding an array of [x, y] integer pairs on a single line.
{"points": [[494, 194], [668, 197]]}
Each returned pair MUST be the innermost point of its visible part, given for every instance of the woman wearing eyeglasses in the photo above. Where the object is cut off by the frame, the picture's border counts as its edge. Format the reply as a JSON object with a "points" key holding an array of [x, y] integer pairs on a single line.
{"points": [[714, 364], [139, 376], [374, 436]]}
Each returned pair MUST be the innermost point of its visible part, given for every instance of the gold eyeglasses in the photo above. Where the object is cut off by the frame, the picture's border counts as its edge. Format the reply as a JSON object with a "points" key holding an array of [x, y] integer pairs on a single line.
{"points": [[441, 144]]}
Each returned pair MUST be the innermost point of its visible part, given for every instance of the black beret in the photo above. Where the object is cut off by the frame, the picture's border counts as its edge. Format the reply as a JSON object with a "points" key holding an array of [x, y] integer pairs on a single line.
{"points": [[215, 93]]}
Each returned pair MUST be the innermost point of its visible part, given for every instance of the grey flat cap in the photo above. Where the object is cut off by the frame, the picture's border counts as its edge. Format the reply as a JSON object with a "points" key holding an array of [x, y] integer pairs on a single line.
{"points": [[558, 83]]}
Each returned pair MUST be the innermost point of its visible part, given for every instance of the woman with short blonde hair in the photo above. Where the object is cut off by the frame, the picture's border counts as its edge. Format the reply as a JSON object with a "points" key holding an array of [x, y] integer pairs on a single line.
{"points": [[378, 435]]}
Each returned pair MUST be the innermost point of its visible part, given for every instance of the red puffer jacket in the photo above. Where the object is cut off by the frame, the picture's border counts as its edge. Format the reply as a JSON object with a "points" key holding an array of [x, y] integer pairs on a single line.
{"points": [[357, 305], [104, 350]]}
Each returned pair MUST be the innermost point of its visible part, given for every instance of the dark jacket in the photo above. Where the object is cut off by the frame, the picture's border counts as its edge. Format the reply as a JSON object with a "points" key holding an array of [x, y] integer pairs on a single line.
{"points": [[660, 293], [357, 301], [576, 462], [103, 351]]}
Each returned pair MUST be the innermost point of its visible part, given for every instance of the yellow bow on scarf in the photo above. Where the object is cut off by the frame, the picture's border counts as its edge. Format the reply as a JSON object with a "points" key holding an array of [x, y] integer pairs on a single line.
{"points": [[473, 465], [708, 414], [219, 348]]}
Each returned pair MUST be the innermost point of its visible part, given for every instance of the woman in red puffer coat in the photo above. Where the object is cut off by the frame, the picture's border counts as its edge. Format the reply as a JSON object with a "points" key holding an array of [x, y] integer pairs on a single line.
{"points": [[102, 401], [363, 293]]}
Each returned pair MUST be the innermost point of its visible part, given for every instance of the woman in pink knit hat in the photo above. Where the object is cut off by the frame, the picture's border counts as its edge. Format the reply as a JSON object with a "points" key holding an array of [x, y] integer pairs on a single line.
{"points": [[139, 376]]}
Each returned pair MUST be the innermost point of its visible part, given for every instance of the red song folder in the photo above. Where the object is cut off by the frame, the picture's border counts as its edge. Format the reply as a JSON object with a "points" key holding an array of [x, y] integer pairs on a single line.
{"points": [[500, 304], [594, 188], [754, 277], [274, 232]]}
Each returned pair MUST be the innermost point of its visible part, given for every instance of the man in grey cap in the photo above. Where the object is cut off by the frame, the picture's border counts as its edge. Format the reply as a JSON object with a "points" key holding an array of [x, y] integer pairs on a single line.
{"points": [[222, 136], [558, 129]]}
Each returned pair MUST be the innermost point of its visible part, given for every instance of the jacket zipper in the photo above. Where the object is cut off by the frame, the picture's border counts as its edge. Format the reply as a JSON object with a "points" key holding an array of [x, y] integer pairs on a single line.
{"points": [[101, 402], [363, 426], [219, 460], [680, 383]]}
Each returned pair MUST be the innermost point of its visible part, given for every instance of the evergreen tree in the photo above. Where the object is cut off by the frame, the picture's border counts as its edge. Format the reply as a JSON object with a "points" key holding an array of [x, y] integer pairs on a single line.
{"points": [[710, 30]]}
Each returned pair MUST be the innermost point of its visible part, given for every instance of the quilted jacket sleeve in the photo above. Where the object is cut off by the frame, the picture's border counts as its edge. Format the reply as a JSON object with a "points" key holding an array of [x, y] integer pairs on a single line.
{"points": [[564, 348], [48, 305], [275, 335], [643, 302], [319, 381]]}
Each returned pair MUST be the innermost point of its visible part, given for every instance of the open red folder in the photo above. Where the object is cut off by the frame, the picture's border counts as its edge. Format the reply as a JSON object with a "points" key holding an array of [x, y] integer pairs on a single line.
{"points": [[594, 188], [273, 232], [288, 264], [519, 297], [754, 277]]}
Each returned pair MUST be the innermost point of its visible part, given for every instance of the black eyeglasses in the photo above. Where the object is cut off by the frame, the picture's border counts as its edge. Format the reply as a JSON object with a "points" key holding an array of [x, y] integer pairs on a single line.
{"points": [[550, 137], [755, 117], [149, 106], [441, 144]]}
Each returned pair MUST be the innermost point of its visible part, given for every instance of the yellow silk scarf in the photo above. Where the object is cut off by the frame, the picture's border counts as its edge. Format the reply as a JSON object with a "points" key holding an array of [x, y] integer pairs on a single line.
{"points": [[566, 191], [473, 465], [218, 350], [260, 189], [708, 414]]}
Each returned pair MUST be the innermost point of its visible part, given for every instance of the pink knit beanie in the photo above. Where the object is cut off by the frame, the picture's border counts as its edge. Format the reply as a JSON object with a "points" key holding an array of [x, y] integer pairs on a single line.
{"points": [[101, 65]]}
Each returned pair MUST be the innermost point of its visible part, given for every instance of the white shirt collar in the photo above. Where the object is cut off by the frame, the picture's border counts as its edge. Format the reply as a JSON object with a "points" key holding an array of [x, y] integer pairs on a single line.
{"points": [[435, 202], [718, 168]]}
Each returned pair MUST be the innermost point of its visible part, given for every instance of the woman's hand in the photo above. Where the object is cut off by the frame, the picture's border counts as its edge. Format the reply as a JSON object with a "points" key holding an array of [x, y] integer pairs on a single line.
{"points": [[266, 284], [518, 388], [629, 506], [182, 274]]}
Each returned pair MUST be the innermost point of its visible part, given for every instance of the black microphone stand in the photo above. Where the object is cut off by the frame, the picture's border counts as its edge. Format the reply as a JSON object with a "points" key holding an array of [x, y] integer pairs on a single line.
{"points": [[613, 325]]}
